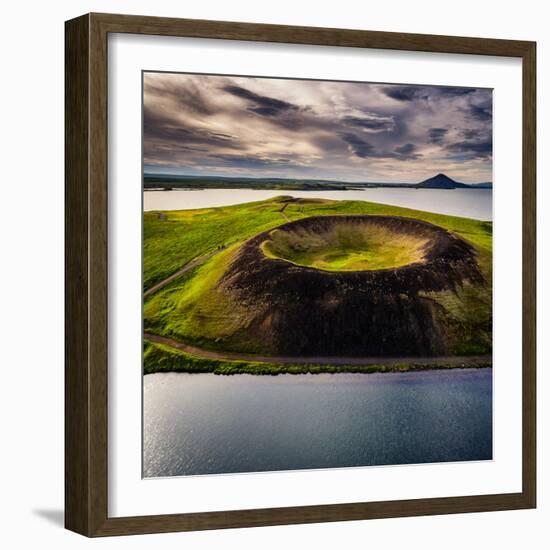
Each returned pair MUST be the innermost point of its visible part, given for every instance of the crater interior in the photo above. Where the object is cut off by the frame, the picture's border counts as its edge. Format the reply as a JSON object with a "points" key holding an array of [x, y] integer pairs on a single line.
{"points": [[347, 245], [348, 285]]}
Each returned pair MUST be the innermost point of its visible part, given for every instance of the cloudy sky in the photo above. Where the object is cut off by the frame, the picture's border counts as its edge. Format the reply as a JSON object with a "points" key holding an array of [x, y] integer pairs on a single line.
{"points": [[263, 127]]}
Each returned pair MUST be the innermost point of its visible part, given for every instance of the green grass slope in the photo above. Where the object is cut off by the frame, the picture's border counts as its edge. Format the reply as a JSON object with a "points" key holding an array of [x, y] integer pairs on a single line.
{"points": [[194, 310]]}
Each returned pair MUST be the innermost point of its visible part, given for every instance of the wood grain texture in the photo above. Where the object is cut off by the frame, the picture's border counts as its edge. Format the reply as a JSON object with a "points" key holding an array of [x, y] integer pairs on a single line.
{"points": [[164, 26], [77, 153], [86, 230], [529, 273]]}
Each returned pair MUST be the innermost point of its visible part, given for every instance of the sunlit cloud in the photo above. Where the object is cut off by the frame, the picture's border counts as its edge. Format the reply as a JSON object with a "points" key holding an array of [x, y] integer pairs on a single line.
{"points": [[349, 131]]}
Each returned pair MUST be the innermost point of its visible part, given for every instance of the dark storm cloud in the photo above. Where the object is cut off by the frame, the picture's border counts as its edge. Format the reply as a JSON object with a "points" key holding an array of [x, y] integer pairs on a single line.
{"points": [[472, 149], [405, 93], [167, 139], [437, 135], [283, 114], [470, 133], [293, 117], [158, 125], [330, 130], [263, 105], [448, 91], [375, 123], [183, 135], [409, 151], [412, 93], [406, 149], [475, 143], [479, 109], [359, 146], [479, 112], [363, 149]]}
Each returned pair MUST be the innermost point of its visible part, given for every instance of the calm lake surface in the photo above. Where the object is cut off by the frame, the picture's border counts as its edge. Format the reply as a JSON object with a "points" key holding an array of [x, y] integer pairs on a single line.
{"points": [[469, 203], [208, 424]]}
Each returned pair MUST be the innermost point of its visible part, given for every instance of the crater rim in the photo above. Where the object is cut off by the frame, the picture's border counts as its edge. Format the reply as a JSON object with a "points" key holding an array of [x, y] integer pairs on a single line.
{"points": [[409, 243]]}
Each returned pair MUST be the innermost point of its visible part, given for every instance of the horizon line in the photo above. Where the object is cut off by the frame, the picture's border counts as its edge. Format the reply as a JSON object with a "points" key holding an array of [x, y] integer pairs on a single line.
{"points": [[286, 178]]}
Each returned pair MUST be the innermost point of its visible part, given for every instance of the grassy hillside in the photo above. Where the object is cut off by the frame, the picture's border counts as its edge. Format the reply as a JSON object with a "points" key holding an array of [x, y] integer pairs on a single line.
{"points": [[186, 234], [194, 309]]}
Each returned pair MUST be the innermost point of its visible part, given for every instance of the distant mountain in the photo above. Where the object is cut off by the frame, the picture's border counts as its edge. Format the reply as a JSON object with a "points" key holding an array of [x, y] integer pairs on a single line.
{"points": [[156, 182], [483, 185], [441, 181]]}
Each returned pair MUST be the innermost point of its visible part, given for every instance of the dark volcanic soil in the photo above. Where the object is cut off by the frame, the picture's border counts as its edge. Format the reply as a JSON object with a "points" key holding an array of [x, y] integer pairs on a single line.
{"points": [[300, 311]]}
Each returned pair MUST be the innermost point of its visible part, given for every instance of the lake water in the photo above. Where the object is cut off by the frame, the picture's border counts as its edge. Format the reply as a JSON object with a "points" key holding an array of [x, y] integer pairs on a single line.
{"points": [[469, 203], [208, 424]]}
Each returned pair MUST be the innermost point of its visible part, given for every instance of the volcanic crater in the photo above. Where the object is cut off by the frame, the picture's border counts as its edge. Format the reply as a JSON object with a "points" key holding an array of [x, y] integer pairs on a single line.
{"points": [[350, 285]]}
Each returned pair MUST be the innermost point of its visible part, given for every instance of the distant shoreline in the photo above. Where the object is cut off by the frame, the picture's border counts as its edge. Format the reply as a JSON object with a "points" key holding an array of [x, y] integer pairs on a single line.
{"points": [[166, 182], [259, 187]]}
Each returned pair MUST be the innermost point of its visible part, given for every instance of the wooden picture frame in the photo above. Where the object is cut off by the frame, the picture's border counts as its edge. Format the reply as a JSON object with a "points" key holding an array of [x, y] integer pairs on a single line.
{"points": [[86, 230]]}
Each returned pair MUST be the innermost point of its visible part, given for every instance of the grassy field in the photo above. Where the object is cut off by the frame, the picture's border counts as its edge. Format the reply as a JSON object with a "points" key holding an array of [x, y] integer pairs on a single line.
{"points": [[193, 309]]}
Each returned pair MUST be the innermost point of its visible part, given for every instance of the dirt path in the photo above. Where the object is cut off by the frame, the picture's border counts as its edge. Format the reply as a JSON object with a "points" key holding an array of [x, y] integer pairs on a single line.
{"points": [[192, 264], [282, 212], [228, 356], [195, 263]]}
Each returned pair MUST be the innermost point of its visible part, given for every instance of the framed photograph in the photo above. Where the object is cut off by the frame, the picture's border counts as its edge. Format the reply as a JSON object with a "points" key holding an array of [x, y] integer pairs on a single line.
{"points": [[300, 275]]}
